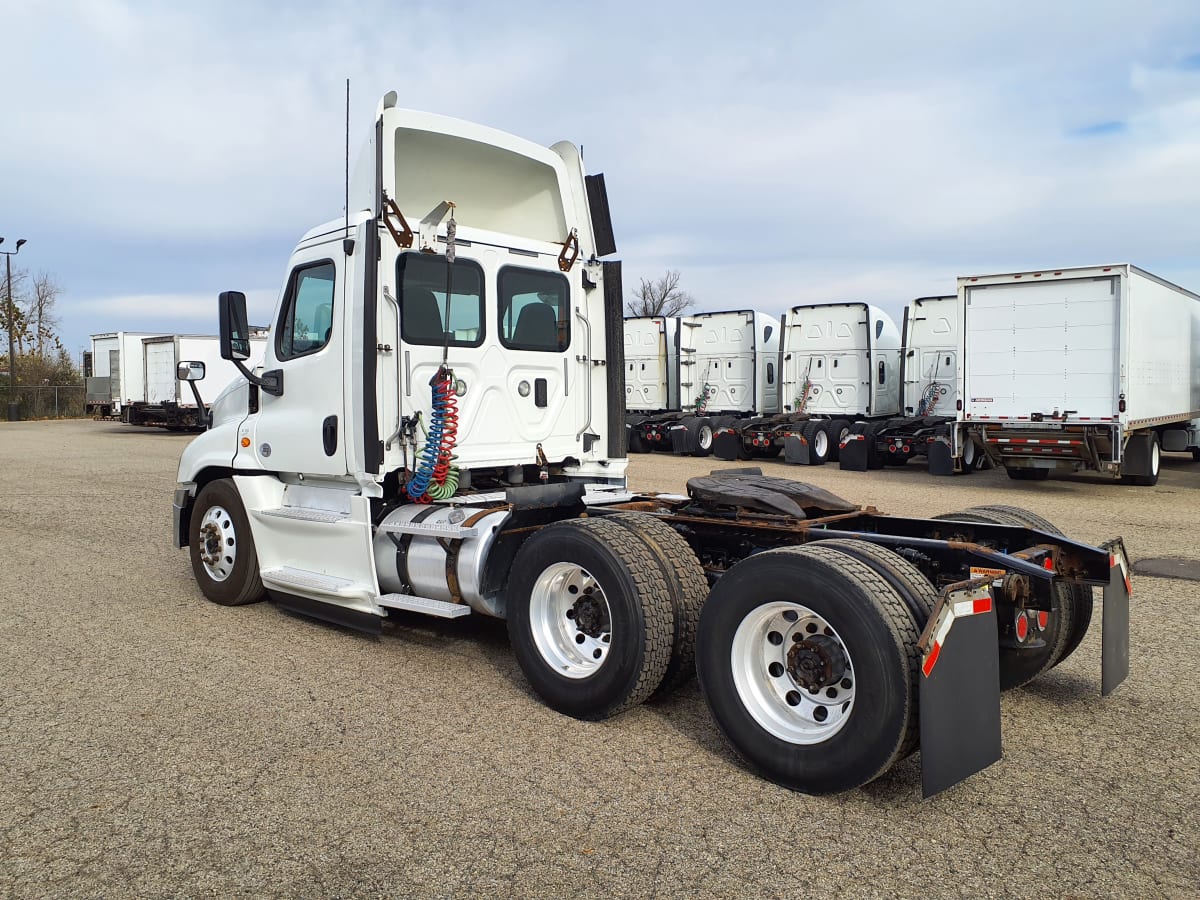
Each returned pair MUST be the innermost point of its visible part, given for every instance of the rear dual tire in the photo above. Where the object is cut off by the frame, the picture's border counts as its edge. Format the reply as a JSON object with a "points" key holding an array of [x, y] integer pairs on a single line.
{"points": [[590, 617], [808, 661], [1065, 626]]}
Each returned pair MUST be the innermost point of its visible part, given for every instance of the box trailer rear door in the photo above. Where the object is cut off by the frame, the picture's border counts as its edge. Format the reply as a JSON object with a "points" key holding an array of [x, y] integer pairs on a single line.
{"points": [[161, 378], [1040, 347]]}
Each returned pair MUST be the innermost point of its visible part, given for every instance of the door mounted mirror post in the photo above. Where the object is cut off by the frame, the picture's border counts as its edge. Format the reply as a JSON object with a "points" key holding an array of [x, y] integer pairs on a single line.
{"points": [[235, 341]]}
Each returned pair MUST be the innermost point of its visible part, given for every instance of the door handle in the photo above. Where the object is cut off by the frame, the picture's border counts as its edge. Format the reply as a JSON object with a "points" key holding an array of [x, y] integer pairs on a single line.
{"points": [[329, 435]]}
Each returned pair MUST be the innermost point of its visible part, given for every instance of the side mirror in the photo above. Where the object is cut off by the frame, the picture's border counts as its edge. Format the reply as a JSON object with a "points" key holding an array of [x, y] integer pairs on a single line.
{"points": [[190, 371], [235, 330]]}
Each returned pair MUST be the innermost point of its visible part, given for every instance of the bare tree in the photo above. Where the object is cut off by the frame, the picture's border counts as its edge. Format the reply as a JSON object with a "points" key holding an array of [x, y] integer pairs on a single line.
{"points": [[14, 311], [662, 297], [40, 312]]}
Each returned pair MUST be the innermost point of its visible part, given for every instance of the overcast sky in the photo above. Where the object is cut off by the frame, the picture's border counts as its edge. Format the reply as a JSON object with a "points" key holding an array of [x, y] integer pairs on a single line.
{"points": [[154, 154]]}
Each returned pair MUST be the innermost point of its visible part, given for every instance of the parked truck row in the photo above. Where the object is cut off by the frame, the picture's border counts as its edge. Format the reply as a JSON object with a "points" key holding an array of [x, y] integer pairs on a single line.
{"points": [[1075, 369], [453, 443]]}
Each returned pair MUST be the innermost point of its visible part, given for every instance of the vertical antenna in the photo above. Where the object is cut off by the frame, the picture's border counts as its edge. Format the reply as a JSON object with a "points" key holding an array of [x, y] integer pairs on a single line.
{"points": [[347, 157]]}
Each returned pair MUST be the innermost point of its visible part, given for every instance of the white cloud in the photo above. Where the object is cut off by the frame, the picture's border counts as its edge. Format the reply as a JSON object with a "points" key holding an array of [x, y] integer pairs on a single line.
{"points": [[856, 150]]}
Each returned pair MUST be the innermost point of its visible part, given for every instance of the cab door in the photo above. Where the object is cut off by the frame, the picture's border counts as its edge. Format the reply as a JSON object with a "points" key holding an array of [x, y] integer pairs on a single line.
{"points": [[303, 429]]}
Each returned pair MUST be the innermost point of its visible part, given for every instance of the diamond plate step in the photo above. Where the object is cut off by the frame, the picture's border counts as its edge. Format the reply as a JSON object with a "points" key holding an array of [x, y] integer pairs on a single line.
{"points": [[306, 515], [431, 529], [424, 605], [286, 576]]}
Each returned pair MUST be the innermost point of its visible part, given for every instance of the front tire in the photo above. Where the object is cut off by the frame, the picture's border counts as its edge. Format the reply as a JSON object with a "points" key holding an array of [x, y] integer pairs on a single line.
{"points": [[589, 618], [807, 659], [221, 547]]}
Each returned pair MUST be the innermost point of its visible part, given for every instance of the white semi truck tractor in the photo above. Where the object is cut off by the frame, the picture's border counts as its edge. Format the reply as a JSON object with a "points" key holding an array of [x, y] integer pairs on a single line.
{"points": [[437, 427]]}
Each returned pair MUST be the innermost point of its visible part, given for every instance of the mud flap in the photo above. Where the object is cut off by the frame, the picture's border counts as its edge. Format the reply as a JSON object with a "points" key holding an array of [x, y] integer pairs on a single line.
{"points": [[727, 445], [853, 455], [682, 440], [795, 450], [1114, 653], [959, 697], [940, 457]]}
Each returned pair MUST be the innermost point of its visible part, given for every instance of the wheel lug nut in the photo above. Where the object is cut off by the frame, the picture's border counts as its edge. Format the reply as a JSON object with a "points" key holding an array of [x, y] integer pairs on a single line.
{"points": [[570, 613], [847, 683], [831, 693]]}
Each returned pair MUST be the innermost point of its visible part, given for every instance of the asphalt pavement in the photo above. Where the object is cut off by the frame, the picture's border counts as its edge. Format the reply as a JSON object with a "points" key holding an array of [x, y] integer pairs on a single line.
{"points": [[154, 744]]}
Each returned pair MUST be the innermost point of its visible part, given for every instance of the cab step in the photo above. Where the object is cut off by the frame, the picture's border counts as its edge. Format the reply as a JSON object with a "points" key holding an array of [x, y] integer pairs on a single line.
{"points": [[424, 605], [306, 514]]}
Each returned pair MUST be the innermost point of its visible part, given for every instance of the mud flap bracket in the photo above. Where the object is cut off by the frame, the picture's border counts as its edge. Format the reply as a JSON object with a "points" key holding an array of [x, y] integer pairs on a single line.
{"points": [[1114, 653], [959, 692]]}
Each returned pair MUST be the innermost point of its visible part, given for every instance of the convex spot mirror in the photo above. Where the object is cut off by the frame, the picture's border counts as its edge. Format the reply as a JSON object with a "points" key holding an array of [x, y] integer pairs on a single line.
{"points": [[190, 371], [235, 332]]}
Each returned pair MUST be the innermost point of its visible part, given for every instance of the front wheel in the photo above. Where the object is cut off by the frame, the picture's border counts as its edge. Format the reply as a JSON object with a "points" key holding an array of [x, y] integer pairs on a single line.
{"points": [[590, 618], [221, 547], [807, 659]]}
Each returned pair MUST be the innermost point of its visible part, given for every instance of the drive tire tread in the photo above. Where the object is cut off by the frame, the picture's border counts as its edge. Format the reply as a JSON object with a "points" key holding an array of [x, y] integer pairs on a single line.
{"points": [[650, 591], [686, 585]]}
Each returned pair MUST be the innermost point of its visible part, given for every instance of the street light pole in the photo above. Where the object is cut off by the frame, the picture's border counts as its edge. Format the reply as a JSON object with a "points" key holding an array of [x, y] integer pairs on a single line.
{"points": [[14, 408]]}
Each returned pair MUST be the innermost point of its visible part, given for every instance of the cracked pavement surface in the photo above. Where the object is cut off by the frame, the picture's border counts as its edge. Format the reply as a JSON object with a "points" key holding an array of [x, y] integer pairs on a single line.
{"points": [[153, 744]]}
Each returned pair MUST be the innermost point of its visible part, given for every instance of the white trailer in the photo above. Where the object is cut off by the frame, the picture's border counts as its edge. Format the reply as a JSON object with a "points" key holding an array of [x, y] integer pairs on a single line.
{"points": [[1092, 368], [167, 404], [651, 364], [839, 367], [437, 429], [728, 363], [117, 372]]}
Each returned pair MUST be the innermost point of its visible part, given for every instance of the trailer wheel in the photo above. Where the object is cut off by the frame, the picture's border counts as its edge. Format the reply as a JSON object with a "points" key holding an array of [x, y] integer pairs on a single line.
{"points": [[221, 547], [589, 617], [818, 442], [703, 444], [686, 585], [808, 660], [1143, 456], [1019, 667], [1077, 596]]}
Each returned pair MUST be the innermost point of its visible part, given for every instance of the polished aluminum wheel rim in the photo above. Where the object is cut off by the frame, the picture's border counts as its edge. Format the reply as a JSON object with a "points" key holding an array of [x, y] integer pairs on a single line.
{"points": [[767, 688], [217, 543], [570, 620]]}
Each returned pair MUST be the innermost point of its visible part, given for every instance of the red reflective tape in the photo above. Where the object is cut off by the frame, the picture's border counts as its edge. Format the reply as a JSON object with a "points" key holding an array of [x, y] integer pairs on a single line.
{"points": [[981, 606], [931, 659]]}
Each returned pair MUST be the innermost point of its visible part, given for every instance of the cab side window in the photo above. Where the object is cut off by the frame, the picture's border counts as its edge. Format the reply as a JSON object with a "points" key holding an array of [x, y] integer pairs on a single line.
{"points": [[307, 318]]}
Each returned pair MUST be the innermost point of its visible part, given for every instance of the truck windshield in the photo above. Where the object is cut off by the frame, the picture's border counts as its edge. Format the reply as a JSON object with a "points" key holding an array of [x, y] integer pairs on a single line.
{"points": [[423, 307]]}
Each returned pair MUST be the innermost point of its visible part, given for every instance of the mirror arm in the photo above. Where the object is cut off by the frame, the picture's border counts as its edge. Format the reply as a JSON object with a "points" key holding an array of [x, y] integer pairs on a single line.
{"points": [[205, 412], [271, 382]]}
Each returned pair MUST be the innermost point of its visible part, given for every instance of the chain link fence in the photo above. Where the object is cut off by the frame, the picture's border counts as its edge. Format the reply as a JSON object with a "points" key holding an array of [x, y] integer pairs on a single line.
{"points": [[47, 401]]}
